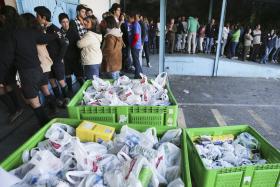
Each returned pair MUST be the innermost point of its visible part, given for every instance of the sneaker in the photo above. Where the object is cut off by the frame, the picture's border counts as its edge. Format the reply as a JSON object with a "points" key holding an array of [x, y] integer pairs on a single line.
{"points": [[149, 65]]}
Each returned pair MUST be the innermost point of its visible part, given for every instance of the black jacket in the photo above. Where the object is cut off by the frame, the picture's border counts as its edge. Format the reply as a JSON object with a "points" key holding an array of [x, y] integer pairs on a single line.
{"points": [[180, 28], [7, 52], [25, 41], [210, 31], [73, 53], [56, 48], [124, 29]]}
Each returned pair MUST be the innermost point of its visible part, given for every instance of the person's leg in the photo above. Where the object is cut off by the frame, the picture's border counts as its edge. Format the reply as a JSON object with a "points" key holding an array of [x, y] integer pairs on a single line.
{"points": [[211, 43], [189, 42], [276, 55], [38, 110], [223, 47], [173, 37], [264, 58], [235, 44], [207, 45], [30, 89], [135, 57], [147, 55], [140, 56], [194, 43]]}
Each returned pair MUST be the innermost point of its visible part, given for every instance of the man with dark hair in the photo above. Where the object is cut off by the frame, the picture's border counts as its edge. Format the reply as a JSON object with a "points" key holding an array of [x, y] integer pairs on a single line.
{"points": [[72, 56], [78, 23], [56, 49], [116, 11], [135, 44], [89, 12]]}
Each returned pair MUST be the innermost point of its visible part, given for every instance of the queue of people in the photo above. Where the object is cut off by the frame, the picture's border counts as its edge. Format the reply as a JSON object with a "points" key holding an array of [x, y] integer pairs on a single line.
{"points": [[45, 57]]}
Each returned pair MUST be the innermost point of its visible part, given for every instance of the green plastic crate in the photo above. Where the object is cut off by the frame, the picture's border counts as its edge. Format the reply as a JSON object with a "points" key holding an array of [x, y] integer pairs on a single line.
{"points": [[142, 115], [246, 176], [15, 159]]}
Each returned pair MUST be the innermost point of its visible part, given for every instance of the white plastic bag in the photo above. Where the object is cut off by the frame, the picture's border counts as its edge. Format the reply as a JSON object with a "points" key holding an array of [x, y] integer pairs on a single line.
{"points": [[172, 136], [99, 84], [176, 183]]}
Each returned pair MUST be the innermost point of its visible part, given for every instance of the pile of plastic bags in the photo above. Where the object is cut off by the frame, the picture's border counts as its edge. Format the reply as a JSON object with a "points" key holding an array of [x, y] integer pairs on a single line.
{"points": [[223, 151], [132, 159], [125, 91]]}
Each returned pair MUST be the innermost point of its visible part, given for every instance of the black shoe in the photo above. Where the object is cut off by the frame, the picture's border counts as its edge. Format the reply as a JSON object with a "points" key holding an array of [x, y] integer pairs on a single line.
{"points": [[66, 101], [15, 116], [60, 103], [149, 65]]}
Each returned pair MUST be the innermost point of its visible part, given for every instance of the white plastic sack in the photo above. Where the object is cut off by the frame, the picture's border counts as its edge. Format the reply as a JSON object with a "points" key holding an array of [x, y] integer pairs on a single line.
{"points": [[172, 136], [99, 84], [176, 183]]}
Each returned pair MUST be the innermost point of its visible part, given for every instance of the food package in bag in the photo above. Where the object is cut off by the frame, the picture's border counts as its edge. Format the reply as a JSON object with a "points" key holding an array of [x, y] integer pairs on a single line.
{"points": [[161, 80], [99, 84], [123, 80], [59, 138]]}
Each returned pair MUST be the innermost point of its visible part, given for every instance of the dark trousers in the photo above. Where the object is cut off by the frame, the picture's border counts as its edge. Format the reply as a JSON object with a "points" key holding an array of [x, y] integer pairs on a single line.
{"points": [[126, 60], [255, 52], [246, 51], [147, 51], [136, 62], [233, 46], [157, 43], [171, 42]]}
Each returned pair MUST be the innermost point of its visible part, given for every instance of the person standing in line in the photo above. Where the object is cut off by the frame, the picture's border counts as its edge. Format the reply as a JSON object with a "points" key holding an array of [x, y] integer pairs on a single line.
{"points": [[201, 35], [9, 21], [91, 52], [158, 34], [112, 50], [210, 34], [171, 35], [185, 33], [127, 65], [135, 44], [248, 38], [89, 12], [225, 38], [257, 33], [57, 49], [139, 19], [270, 43], [275, 54], [28, 64], [193, 26], [152, 36], [146, 42], [72, 57], [116, 11], [234, 41], [78, 23], [180, 33]]}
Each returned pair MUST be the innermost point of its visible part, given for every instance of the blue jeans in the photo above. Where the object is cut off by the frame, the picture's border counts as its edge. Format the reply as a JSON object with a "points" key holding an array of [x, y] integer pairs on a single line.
{"points": [[90, 70], [266, 55], [275, 54], [233, 46], [112, 75], [209, 44], [136, 62]]}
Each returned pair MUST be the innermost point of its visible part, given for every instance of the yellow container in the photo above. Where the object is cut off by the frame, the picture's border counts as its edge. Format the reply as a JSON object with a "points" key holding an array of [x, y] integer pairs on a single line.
{"points": [[93, 132], [103, 133], [85, 131]]}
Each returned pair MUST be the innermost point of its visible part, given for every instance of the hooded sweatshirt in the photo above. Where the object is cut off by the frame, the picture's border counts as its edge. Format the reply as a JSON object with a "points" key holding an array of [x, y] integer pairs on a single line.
{"points": [[90, 44], [112, 51]]}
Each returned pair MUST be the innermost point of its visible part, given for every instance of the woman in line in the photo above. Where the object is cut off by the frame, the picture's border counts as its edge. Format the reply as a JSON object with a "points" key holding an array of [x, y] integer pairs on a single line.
{"points": [[112, 49], [90, 44]]}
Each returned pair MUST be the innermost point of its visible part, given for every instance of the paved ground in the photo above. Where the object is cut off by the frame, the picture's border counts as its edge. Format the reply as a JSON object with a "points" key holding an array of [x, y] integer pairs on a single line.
{"points": [[204, 102]]}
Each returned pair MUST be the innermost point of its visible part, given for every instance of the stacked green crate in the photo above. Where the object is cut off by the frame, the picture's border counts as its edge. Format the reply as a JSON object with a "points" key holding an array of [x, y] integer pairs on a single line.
{"points": [[15, 159], [246, 176], [142, 115]]}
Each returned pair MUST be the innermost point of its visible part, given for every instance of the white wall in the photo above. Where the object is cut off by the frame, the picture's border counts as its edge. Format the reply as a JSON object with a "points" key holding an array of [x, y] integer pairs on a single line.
{"points": [[10, 3], [99, 6]]}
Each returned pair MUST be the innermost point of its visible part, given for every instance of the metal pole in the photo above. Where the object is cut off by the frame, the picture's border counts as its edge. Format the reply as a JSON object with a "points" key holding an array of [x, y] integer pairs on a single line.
{"points": [[162, 35], [210, 11], [221, 27]]}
